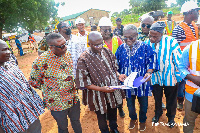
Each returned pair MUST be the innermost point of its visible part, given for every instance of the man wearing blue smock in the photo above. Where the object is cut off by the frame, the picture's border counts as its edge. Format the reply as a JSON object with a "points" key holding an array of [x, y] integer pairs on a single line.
{"points": [[168, 53], [136, 56]]}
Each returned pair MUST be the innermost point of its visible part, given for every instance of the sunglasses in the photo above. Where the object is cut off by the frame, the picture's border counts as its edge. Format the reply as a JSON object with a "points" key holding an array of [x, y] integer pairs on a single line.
{"points": [[65, 26], [61, 47], [146, 25]]}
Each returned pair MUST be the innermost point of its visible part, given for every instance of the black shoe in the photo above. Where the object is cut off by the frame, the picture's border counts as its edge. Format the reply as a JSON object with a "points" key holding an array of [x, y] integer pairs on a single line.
{"points": [[114, 131], [171, 123], [155, 119], [121, 112]]}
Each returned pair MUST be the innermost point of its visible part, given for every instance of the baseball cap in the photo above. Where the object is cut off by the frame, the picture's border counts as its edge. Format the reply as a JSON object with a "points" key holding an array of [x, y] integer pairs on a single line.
{"points": [[118, 19], [188, 6], [79, 20]]}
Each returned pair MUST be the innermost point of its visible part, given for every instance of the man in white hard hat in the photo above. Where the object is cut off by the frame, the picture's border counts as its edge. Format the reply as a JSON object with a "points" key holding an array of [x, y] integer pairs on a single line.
{"points": [[111, 42], [185, 33], [82, 33]]}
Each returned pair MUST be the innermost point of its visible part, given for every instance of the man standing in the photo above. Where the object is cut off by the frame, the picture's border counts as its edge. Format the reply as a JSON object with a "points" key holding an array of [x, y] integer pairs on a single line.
{"points": [[19, 46], [185, 33], [42, 45], [32, 41], [82, 33], [187, 30], [118, 31], [189, 68], [111, 42], [143, 32], [96, 73], [136, 56], [74, 45], [20, 105], [170, 24], [168, 54], [52, 73]]}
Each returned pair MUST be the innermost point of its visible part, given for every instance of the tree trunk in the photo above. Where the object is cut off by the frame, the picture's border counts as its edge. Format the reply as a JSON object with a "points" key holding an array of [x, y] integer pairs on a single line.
{"points": [[1, 32]]}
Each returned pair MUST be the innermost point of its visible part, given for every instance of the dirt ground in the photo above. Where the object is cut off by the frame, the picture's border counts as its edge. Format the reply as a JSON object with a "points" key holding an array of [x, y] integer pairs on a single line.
{"points": [[89, 120]]}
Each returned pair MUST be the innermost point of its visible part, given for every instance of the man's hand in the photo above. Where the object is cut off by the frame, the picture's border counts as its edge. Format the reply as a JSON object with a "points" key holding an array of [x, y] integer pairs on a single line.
{"points": [[122, 77], [107, 89], [194, 79], [146, 75]]}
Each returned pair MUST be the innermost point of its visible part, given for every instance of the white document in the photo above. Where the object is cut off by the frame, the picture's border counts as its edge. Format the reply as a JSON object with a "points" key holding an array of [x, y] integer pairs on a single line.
{"points": [[129, 80]]}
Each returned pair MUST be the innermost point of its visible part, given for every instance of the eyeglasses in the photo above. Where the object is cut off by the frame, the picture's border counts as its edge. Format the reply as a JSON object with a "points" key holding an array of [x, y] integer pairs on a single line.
{"points": [[107, 30], [146, 25], [130, 38], [61, 47], [98, 46]]}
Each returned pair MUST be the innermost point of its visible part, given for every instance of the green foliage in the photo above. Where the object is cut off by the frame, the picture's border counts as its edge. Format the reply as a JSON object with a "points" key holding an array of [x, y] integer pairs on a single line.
{"points": [[28, 14], [181, 2], [141, 6], [175, 10]]}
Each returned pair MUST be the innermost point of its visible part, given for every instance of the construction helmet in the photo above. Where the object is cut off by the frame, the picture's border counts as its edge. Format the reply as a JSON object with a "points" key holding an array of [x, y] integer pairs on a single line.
{"points": [[104, 21]]}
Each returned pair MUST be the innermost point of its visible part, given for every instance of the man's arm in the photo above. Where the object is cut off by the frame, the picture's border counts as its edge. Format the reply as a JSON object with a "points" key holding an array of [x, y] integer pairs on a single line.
{"points": [[103, 89]]}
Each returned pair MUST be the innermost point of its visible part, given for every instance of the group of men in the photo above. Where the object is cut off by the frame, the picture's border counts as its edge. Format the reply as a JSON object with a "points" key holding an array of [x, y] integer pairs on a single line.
{"points": [[98, 62]]}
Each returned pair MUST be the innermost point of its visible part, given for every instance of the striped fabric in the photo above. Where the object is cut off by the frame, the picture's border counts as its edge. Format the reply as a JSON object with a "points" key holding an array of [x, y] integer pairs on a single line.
{"points": [[20, 105], [179, 34], [168, 53]]}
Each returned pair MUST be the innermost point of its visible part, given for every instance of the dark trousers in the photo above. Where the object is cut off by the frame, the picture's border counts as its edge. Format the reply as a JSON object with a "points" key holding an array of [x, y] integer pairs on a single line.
{"points": [[62, 121], [111, 116], [171, 98], [143, 101]]}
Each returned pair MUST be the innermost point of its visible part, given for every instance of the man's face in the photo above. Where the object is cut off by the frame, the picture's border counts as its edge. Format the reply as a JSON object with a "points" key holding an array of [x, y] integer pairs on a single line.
{"points": [[4, 52], [169, 16], [64, 26], [155, 36], [118, 23], [195, 14], [96, 45], [59, 46], [81, 27], [145, 25], [106, 31], [130, 37]]}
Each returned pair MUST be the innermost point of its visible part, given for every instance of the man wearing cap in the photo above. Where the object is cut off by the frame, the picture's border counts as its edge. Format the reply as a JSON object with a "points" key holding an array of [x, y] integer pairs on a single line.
{"points": [[168, 54], [170, 24], [189, 68], [143, 31], [118, 31], [111, 42], [82, 33], [185, 33]]}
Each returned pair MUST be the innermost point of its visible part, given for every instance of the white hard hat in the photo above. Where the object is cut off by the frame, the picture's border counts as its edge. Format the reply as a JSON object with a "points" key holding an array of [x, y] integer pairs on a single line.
{"points": [[188, 6], [80, 20], [104, 21]]}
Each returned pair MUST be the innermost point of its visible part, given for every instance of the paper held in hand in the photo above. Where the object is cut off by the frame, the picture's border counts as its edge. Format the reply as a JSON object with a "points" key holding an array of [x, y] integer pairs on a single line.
{"points": [[131, 82]]}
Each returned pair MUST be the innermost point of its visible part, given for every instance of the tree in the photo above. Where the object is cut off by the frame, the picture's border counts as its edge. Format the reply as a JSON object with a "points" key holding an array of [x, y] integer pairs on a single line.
{"points": [[181, 2], [28, 14], [140, 6]]}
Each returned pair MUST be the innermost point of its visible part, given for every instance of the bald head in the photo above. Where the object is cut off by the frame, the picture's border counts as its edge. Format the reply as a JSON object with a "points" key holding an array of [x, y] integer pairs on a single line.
{"points": [[94, 35], [2, 43]]}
